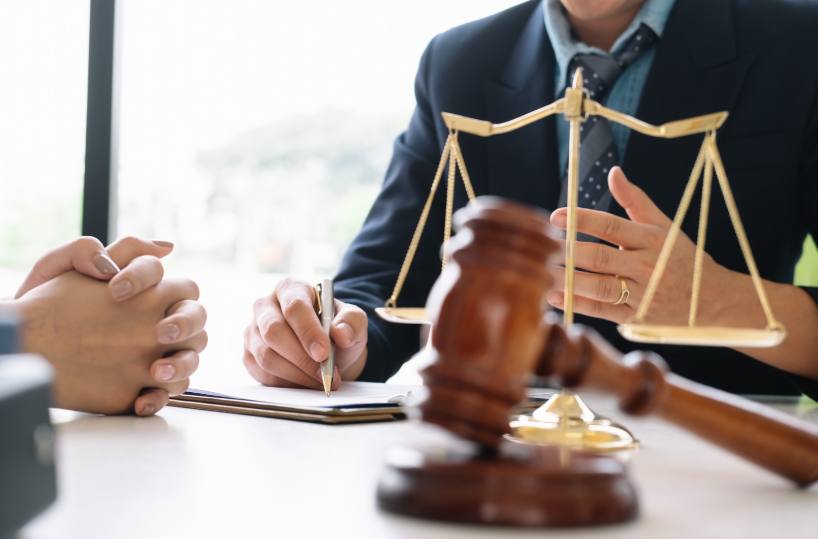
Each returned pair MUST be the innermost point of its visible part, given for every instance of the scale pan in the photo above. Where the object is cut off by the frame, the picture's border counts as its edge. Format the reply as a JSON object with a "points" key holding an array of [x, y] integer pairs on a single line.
{"points": [[404, 315], [702, 336]]}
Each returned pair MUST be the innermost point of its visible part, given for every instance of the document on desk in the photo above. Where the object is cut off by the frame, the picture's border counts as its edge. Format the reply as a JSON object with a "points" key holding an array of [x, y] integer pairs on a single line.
{"points": [[353, 402], [350, 394]]}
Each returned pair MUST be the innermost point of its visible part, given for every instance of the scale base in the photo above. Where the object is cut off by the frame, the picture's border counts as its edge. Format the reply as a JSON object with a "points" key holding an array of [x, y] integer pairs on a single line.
{"points": [[566, 421]]}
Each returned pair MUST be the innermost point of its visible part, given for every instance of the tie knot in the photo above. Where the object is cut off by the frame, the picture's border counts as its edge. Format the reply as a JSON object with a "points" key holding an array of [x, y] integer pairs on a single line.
{"points": [[599, 73]]}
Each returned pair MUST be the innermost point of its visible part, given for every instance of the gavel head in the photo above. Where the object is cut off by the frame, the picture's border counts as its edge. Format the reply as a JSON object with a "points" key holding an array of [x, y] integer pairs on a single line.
{"points": [[487, 310]]}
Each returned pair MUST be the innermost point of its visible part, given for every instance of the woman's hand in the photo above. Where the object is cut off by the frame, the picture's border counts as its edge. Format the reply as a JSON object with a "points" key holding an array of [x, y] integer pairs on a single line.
{"points": [[105, 353], [89, 257], [141, 271]]}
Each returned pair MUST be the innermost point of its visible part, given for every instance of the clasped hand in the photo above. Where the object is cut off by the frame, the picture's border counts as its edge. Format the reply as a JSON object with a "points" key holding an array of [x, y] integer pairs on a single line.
{"points": [[639, 242], [116, 347]]}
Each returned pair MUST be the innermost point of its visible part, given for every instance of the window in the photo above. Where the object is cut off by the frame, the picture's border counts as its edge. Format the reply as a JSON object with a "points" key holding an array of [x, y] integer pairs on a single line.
{"points": [[255, 135], [44, 70]]}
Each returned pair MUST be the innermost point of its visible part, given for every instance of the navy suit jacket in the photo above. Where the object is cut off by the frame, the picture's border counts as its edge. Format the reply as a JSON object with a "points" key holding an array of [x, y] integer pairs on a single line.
{"points": [[753, 58]]}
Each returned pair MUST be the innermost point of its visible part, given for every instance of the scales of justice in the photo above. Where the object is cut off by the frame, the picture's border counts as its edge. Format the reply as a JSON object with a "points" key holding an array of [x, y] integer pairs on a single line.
{"points": [[565, 420]]}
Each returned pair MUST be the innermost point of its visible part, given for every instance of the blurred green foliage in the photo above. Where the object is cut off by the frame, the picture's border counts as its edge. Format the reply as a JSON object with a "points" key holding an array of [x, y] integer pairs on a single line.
{"points": [[806, 271], [298, 190], [355, 147]]}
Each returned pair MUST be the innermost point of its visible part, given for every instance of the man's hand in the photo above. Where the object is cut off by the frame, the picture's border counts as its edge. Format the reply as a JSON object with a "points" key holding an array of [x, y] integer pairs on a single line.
{"points": [[285, 342], [141, 271], [640, 240]]}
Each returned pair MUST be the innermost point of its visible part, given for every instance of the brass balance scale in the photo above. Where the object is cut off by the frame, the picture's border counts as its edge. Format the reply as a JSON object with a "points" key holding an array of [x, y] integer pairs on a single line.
{"points": [[565, 420]]}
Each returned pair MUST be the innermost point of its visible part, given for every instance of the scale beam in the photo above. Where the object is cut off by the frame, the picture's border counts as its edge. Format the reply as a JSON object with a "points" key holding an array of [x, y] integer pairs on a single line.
{"points": [[482, 128], [679, 128]]}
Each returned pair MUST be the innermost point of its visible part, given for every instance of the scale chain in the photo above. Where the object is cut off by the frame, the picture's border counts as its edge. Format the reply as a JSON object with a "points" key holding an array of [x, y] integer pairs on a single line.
{"points": [[664, 254], [452, 153], [410, 254], [709, 153], [447, 230], [700, 252], [462, 166], [742, 235]]}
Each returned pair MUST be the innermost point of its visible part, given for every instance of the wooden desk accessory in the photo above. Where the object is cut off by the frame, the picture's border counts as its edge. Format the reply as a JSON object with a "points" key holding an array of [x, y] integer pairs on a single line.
{"points": [[490, 334]]}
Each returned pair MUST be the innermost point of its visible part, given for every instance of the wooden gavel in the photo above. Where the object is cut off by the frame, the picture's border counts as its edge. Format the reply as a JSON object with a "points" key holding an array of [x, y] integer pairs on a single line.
{"points": [[491, 333]]}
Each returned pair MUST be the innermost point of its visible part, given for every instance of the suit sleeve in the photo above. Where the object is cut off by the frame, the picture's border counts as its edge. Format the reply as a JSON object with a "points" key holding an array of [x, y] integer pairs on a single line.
{"points": [[370, 267]]}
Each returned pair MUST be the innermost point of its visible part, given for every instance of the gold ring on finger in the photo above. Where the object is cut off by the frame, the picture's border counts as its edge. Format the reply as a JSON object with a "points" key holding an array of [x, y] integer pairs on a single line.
{"points": [[625, 294]]}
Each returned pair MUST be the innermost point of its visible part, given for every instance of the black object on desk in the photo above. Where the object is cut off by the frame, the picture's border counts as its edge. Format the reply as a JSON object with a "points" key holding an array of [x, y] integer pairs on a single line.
{"points": [[27, 478]]}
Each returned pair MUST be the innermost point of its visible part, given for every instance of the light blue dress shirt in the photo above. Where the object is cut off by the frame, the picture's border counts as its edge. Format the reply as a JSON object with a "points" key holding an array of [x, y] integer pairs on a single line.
{"points": [[625, 94]]}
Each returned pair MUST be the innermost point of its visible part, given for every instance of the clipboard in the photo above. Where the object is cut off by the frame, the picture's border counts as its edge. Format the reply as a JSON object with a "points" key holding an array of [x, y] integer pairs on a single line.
{"points": [[328, 415]]}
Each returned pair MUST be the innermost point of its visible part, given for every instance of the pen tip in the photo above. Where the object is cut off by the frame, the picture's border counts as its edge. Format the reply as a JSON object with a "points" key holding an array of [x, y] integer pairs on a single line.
{"points": [[327, 383], [327, 393]]}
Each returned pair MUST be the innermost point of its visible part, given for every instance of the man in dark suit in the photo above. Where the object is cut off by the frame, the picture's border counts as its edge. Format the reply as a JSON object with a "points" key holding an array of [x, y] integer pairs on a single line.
{"points": [[663, 61]]}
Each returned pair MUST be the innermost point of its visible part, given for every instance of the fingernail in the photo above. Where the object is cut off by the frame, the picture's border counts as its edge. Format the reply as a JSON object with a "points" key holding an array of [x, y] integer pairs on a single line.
{"points": [[317, 351], [558, 219], [148, 409], [162, 243], [167, 333], [164, 372], [347, 331], [554, 298], [121, 289], [105, 265]]}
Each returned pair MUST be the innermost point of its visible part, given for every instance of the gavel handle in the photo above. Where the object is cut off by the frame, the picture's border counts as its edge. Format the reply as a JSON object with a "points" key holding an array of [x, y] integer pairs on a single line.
{"points": [[760, 434], [772, 439], [769, 438], [580, 359]]}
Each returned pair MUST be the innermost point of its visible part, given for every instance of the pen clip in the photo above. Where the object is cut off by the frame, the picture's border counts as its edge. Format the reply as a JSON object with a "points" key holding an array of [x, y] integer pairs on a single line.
{"points": [[318, 291]]}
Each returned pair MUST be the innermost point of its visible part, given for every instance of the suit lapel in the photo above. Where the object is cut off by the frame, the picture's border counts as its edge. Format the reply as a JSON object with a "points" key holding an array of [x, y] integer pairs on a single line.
{"points": [[522, 165], [696, 71]]}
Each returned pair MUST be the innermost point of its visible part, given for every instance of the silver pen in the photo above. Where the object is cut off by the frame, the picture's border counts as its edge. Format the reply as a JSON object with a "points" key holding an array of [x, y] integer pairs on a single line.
{"points": [[326, 308]]}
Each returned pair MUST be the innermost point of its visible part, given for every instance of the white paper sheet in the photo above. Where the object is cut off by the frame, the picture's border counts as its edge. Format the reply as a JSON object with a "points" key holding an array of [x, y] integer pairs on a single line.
{"points": [[242, 386], [348, 394]]}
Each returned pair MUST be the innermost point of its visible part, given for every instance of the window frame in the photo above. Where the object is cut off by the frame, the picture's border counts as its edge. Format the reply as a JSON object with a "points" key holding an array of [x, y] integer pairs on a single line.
{"points": [[99, 199]]}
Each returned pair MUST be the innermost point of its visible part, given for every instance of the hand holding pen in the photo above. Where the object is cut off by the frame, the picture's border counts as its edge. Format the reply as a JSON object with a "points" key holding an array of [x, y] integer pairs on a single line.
{"points": [[286, 341]]}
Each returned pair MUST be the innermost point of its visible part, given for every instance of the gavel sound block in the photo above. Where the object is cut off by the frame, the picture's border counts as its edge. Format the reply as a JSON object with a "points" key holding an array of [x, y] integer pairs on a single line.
{"points": [[490, 334]]}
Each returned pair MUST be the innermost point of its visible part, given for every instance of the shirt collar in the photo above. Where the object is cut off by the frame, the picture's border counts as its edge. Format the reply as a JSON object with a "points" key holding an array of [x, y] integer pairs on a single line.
{"points": [[654, 13]]}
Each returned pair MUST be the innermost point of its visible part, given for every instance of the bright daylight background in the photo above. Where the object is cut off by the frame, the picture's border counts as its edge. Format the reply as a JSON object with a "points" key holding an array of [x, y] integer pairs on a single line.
{"points": [[254, 134]]}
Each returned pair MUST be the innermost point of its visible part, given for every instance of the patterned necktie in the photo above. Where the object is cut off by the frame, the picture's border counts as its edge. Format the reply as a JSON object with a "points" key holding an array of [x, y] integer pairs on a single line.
{"points": [[597, 153]]}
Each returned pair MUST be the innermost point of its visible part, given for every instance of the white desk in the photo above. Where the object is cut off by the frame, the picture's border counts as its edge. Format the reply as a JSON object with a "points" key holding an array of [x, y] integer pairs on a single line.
{"points": [[191, 473]]}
